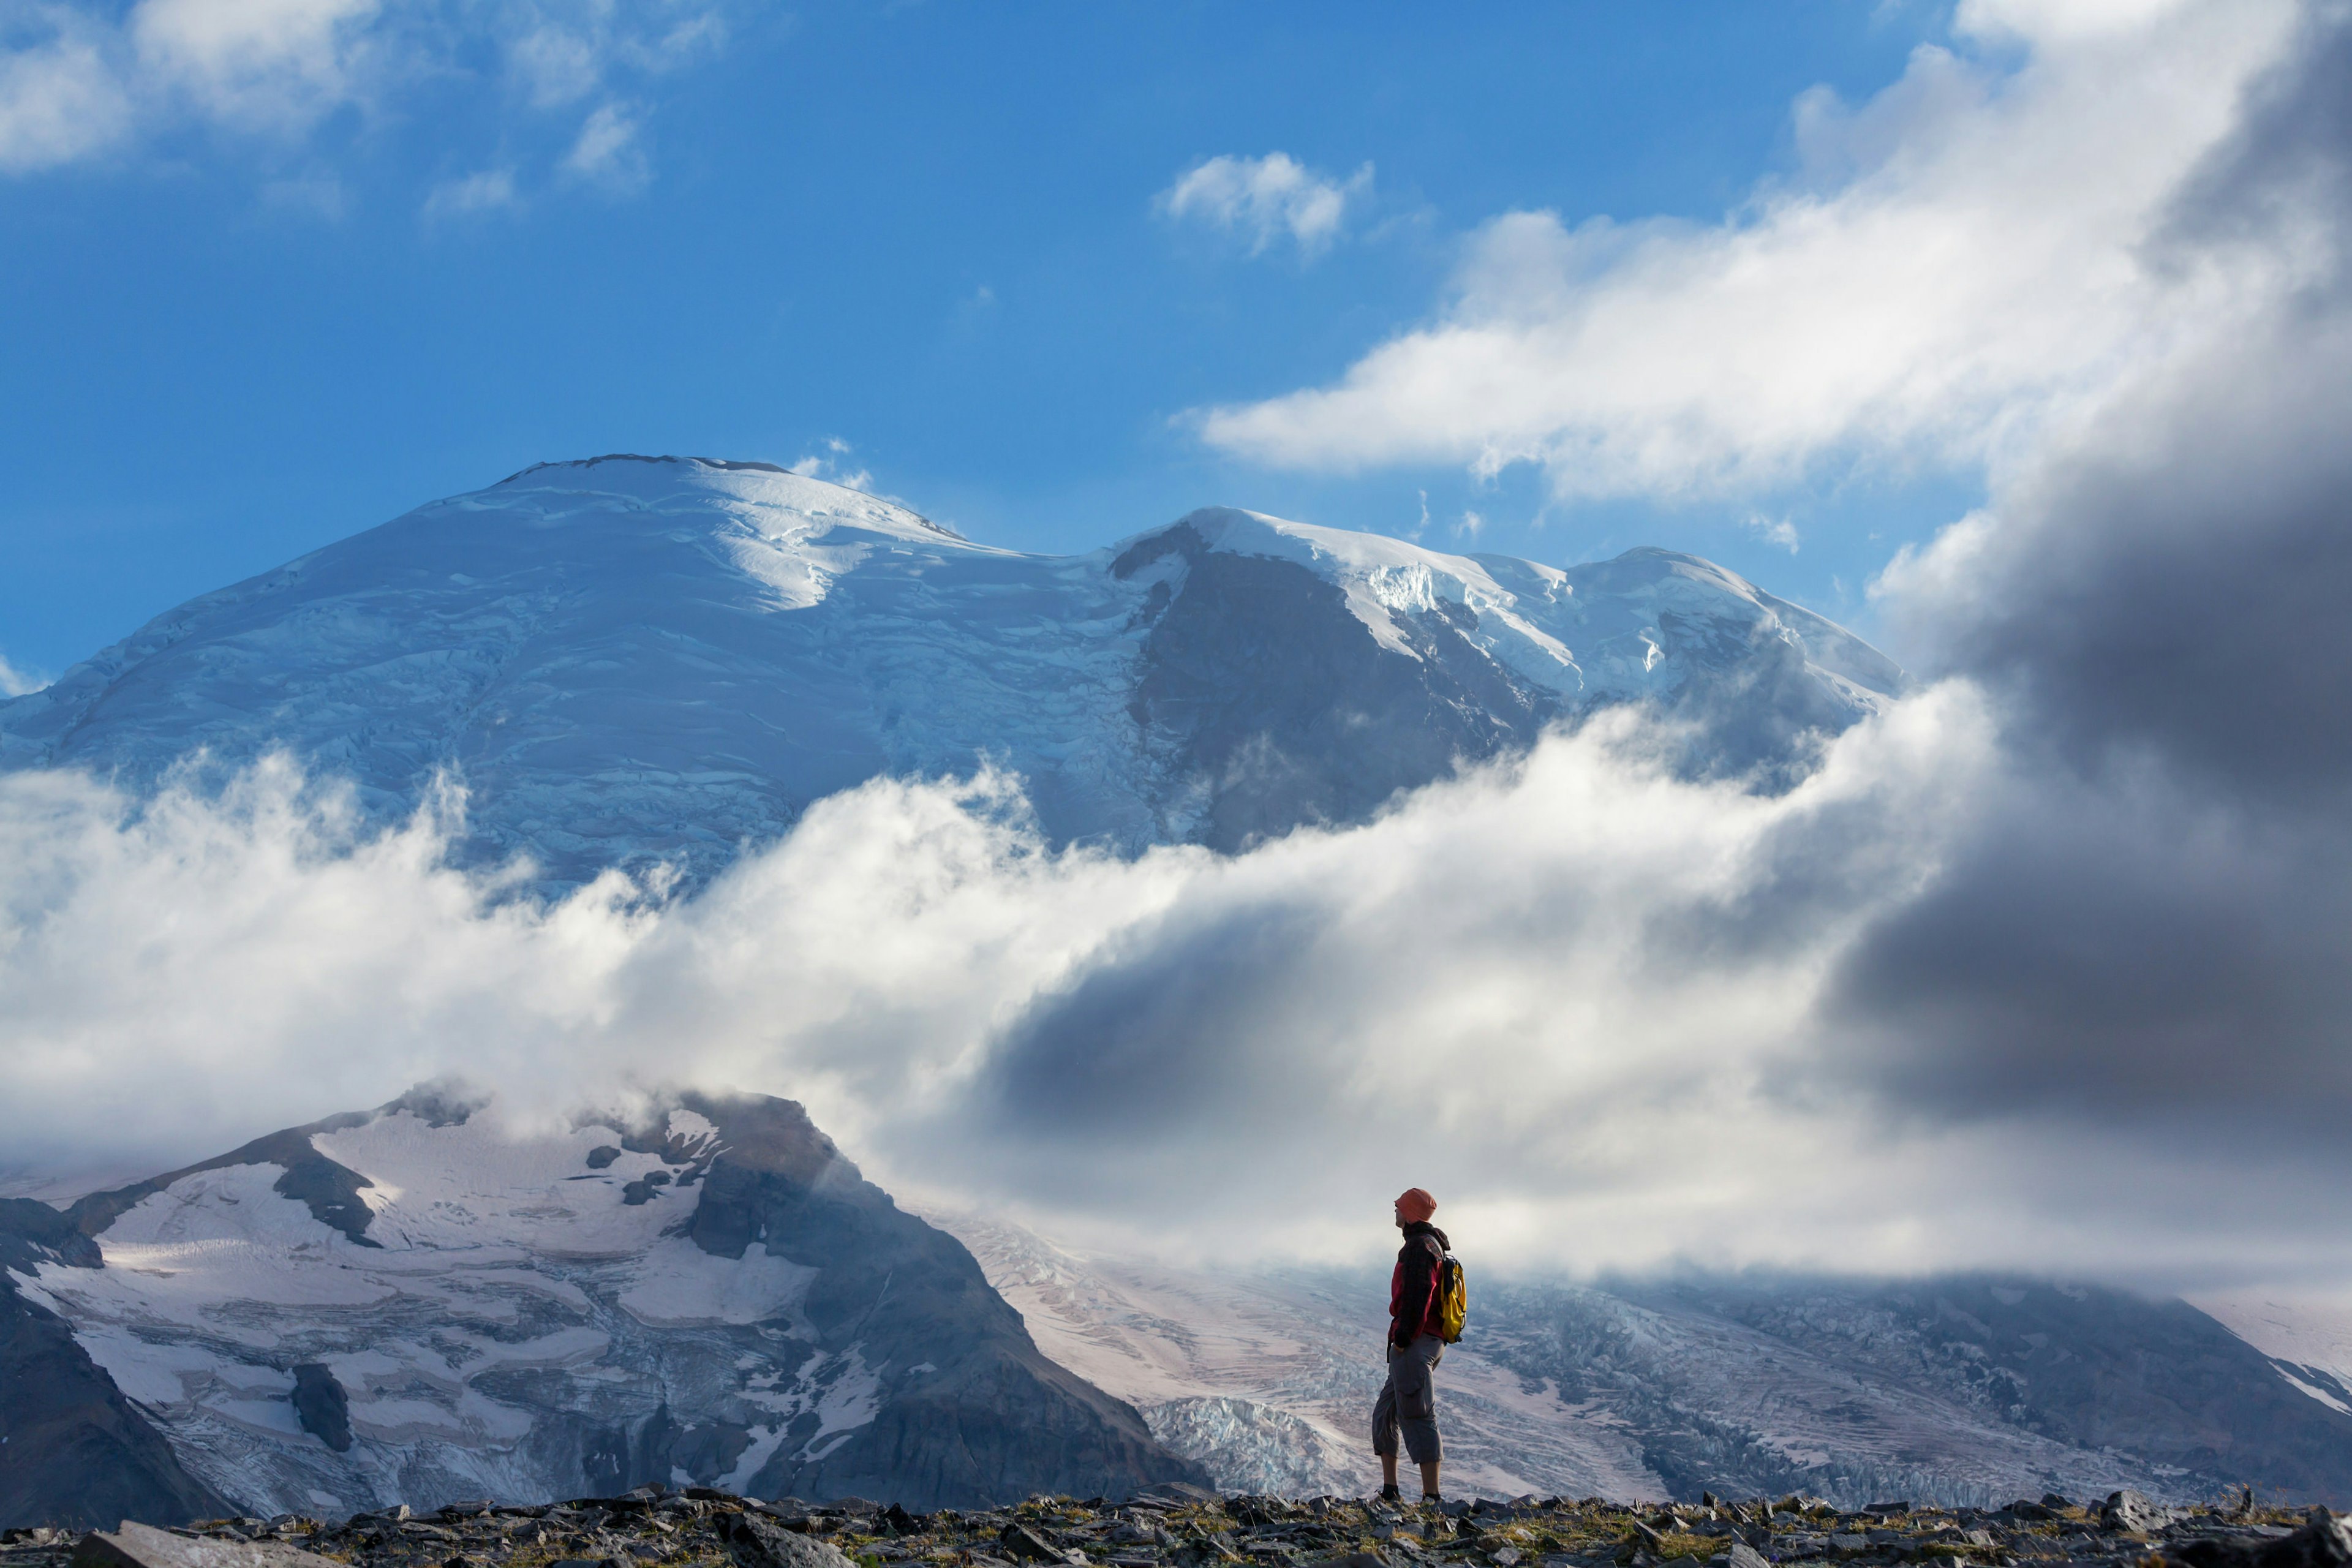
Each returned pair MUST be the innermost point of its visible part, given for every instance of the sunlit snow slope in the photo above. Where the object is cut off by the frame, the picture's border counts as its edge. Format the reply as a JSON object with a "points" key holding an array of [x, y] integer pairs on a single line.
{"points": [[633, 659]]}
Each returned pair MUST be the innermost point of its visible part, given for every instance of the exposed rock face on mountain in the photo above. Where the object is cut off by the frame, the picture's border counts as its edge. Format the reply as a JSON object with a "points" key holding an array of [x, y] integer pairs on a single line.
{"points": [[1963, 1390], [73, 1451], [630, 661], [423, 1303]]}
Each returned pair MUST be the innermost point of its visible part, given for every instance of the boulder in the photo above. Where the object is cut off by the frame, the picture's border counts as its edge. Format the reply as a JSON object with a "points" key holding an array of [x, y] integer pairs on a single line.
{"points": [[1024, 1544], [2325, 1540], [136, 1545], [2129, 1512], [761, 1543]]}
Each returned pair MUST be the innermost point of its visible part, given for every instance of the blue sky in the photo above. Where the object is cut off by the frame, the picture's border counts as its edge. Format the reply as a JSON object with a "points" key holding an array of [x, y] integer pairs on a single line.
{"points": [[289, 296]]}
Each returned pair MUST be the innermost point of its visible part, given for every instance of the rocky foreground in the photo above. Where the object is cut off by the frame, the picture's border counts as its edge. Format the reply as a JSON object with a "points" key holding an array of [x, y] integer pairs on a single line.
{"points": [[1183, 1527]]}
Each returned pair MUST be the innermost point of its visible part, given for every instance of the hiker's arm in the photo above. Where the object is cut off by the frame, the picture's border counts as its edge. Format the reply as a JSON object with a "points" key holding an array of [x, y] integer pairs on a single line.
{"points": [[1420, 1283]]}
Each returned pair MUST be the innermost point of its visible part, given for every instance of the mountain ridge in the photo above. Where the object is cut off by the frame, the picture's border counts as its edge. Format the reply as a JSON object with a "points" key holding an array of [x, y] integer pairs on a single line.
{"points": [[633, 660], [706, 1287]]}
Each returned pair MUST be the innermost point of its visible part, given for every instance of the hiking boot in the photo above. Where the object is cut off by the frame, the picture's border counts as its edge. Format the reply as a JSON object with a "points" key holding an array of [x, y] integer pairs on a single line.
{"points": [[1390, 1494]]}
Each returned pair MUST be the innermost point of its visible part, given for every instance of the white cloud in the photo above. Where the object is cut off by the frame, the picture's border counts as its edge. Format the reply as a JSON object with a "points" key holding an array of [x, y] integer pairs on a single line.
{"points": [[76, 82], [1776, 531], [556, 64], [1967, 263], [321, 194], [609, 151], [490, 190], [561, 55], [15, 681], [1580, 999], [267, 63], [59, 99], [831, 465], [1267, 200]]}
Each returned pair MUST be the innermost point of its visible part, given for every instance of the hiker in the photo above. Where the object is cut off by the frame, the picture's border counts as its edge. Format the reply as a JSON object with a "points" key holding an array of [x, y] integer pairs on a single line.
{"points": [[1416, 1339]]}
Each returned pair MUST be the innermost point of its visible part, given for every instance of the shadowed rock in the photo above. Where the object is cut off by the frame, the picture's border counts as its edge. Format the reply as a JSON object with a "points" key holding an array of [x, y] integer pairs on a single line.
{"points": [[322, 1407], [77, 1453], [140, 1546]]}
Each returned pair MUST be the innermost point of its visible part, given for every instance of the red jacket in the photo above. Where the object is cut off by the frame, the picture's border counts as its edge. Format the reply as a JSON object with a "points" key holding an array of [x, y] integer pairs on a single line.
{"points": [[1412, 1289]]}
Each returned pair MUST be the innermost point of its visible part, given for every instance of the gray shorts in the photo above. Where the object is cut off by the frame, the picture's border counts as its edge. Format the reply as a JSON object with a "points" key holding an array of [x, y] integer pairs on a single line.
{"points": [[1409, 1400]]}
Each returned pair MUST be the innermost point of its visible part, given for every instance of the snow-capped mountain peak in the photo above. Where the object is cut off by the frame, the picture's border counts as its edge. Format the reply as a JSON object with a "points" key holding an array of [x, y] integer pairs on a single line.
{"points": [[635, 659]]}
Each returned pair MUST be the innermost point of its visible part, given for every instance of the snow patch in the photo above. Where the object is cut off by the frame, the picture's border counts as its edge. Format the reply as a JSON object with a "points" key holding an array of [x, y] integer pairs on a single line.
{"points": [[507, 1293], [479, 1184], [677, 1283], [2311, 1333]]}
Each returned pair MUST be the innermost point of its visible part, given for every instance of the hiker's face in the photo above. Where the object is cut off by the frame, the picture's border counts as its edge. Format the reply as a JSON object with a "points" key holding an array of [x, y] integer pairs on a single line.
{"points": [[1398, 1209]]}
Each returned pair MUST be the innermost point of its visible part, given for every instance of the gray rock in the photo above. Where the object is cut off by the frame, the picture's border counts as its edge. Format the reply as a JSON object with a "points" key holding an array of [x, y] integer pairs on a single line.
{"points": [[2324, 1541], [1024, 1544], [2127, 1511], [1743, 1555], [78, 1454], [759, 1542], [2241, 1550], [322, 1408], [144, 1546]]}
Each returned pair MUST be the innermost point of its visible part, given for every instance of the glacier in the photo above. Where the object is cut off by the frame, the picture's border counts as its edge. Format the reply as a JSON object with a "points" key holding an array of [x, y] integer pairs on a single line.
{"points": [[639, 661]]}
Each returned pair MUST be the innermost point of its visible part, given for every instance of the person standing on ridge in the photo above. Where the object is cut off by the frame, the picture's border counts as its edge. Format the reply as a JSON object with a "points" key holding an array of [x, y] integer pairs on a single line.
{"points": [[1416, 1340]]}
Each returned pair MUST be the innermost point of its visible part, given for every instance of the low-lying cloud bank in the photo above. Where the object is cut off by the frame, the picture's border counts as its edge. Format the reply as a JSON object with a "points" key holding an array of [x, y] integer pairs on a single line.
{"points": [[1617, 1019]]}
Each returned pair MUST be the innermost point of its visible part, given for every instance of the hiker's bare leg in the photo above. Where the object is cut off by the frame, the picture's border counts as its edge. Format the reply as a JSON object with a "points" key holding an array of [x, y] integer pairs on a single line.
{"points": [[1428, 1477], [1388, 1470]]}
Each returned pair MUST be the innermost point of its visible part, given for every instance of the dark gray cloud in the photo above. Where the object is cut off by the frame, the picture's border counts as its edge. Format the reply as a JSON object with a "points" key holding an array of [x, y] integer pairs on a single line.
{"points": [[2286, 164], [2118, 950], [1168, 1029], [2182, 590], [2149, 919]]}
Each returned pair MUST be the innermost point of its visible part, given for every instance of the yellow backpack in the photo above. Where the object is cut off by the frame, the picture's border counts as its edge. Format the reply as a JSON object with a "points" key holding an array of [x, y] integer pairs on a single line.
{"points": [[1452, 1299]]}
